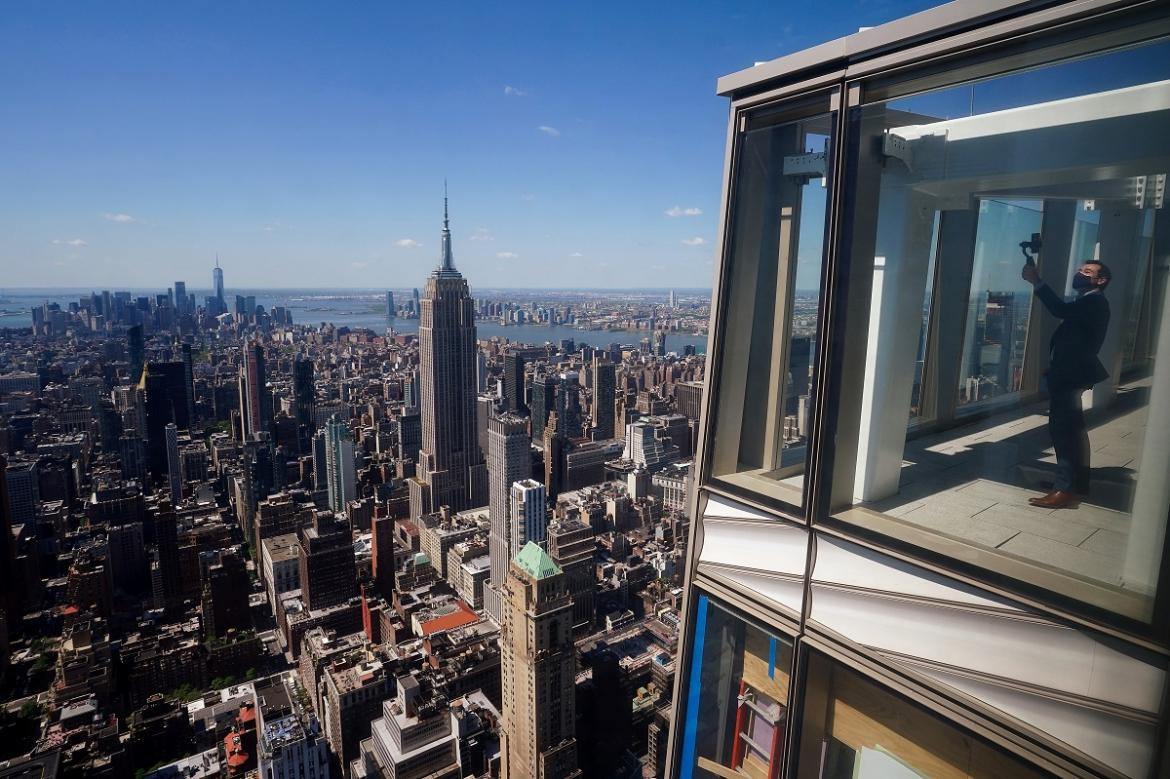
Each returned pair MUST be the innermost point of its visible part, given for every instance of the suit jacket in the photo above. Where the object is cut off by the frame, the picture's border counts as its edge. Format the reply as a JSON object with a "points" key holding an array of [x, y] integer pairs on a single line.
{"points": [[1077, 340]]}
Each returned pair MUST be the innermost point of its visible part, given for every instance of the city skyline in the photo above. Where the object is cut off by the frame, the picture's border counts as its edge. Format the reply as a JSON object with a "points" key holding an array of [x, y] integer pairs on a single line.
{"points": [[301, 145]]}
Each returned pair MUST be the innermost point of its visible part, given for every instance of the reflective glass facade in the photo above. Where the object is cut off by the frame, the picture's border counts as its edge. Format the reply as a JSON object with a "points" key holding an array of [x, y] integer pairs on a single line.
{"points": [[934, 467]]}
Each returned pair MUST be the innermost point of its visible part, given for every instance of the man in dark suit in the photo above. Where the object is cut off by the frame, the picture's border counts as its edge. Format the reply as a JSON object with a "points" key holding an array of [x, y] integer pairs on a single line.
{"points": [[1073, 367]]}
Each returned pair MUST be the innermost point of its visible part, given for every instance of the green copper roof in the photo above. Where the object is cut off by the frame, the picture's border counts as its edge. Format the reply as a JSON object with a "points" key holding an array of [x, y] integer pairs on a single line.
{"points": [[536, 562]]}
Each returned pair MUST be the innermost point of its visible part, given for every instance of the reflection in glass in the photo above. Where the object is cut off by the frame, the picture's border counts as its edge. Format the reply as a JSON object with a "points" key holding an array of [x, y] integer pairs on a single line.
{"points": [[851, 728], [997, 311], [777, 227], [949, 183], [738, 699]]}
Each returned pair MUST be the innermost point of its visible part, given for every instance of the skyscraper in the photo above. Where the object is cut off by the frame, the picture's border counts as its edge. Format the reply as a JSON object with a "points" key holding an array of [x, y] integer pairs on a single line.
{"points": [[544, 402], [137, 349], [341, 479], [514, 383], [165, 387], [181, 297], [529, 513], [539, 671], [604, 384], [217, 285], [303, 391], [390, 313], [327, 567], [174, 475], [257, 414], [508, 461], [450, 470]]}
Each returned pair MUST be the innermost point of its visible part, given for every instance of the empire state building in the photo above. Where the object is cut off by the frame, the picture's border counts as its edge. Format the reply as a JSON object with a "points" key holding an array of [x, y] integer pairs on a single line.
{"points": [[450, 471]]}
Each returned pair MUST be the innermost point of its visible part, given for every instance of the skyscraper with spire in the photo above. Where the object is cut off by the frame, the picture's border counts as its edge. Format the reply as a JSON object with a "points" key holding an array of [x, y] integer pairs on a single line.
{"points": [[450, 470], [217, 285]]}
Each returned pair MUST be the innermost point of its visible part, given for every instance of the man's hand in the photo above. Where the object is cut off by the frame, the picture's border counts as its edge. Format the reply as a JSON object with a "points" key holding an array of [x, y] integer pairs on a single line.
{"points": [[1030, 274]]}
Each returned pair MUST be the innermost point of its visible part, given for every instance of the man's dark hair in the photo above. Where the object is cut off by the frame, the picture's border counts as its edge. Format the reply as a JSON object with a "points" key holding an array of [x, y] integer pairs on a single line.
{"points": [[1103, 272]]}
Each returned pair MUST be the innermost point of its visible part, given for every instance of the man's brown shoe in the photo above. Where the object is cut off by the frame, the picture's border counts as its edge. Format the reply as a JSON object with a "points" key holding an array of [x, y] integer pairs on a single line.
{"points": [[1056, 500]]}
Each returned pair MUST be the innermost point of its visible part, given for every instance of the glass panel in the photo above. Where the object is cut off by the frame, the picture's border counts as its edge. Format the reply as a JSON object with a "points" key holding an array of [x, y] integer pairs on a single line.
{"points": [[771, 313], [920, 410], [998, 305], [1046, 455], [738, 698], [851, 727]]}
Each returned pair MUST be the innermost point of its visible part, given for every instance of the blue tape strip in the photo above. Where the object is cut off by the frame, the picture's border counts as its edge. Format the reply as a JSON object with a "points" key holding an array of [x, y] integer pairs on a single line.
{"points": [[772, 659], [693, 690]]}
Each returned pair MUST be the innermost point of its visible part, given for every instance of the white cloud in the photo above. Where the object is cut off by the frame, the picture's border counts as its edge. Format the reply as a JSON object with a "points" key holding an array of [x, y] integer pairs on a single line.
{"points": [[675, 211], [123, 218], [576, 254], [359, 265], [544, 128], [514, 91], [407, 243], [481, 234], [70, 242], [696, 241], [507, 255]]}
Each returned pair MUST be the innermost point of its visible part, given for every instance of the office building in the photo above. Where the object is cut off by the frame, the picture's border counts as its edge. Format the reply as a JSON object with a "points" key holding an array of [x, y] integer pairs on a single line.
{"points": [[304, 393], [328, 571], [514, 383], [164, 387], [255, 396], [391, 313], [136, 347], [544, 402], [451, 471], [529, 520], [876, 596], [341, 477], [509, 461], [174, 464], [539, 671], [604, 388], [289, 739], [217, 287], [571, 547], [417, 736], [225, 595]]}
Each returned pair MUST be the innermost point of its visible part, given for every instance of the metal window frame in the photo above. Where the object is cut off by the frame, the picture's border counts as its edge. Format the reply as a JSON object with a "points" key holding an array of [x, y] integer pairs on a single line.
{"points": [[807, 99]]}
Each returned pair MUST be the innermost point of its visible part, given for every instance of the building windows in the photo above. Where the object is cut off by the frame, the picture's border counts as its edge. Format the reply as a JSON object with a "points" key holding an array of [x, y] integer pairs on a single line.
{"points": [[852, 727], [771, 311], [938, 320], [738, 700]]}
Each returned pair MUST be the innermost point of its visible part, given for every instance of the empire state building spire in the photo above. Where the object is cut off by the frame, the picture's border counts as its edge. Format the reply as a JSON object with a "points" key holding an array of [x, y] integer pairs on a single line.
{"points": [[448, 261]]}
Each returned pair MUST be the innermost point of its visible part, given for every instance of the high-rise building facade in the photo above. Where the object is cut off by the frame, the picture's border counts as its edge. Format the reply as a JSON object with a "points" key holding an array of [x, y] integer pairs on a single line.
{"points": [[391, 313], [303, 392], [877, 583], [327, 568], [539, 663], [217, 286], [514, 383], [174, 465], [451, 471], [529, 514], [341, 477], [604, 388], [255, 397], [509, 461]]}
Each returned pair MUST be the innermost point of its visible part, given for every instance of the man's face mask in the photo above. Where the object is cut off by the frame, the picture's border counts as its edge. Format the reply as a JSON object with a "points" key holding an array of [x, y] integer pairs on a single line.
{"points": [[1081, 282]]}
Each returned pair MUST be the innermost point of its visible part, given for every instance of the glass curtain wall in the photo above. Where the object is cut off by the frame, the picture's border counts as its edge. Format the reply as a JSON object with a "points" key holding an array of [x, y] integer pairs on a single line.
{"points": [[776, 230], [1008, 288]]}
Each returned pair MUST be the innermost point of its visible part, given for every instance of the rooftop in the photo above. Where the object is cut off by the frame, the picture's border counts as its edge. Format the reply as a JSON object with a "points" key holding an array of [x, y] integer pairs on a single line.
{"points": [[535, 562]]}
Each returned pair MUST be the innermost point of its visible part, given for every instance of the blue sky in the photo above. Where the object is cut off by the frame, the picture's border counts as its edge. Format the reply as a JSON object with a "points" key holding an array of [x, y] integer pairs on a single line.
{"points": [[307, 143]]}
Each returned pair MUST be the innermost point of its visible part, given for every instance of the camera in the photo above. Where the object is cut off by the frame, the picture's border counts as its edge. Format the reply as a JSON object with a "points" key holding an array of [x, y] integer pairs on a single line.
{"points": [[1031, 248]]}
